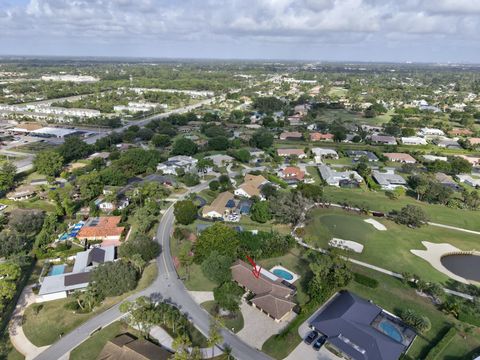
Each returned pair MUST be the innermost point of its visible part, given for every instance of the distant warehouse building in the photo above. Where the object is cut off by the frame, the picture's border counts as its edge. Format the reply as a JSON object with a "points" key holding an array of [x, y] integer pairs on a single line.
{"points": [[55, 132]]}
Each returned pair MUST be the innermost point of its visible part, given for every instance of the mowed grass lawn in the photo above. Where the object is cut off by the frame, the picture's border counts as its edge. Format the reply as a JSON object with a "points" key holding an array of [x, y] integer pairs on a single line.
{"points": [[378, 201], [388, 249], [54, 319]]}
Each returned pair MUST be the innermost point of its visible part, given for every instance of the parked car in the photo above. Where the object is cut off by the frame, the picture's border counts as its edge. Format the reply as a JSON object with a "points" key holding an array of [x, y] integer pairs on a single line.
{"points": [[311, 337], [319, 343]]}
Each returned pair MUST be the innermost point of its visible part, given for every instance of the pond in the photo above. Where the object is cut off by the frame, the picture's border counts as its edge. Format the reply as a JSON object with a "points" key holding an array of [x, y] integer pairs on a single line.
{"points": [[466, 266]]}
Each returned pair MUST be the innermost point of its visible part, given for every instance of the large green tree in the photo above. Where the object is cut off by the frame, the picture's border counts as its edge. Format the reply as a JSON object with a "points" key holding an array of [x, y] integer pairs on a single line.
{"points": [[49, 163], [8, 171], [216, 267], [184, 146], [260, 212], [218, 237], [228, 295], [114, 278], [185, 212]]}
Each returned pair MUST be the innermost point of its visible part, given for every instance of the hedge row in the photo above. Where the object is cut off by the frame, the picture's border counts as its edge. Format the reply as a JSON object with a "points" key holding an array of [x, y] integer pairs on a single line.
{"points": [[442, 344], [365, 280]]}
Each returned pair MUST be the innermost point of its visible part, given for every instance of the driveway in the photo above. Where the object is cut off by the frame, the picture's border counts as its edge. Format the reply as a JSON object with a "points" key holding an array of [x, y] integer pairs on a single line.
{"points": [[258, 327], [304, 351]]}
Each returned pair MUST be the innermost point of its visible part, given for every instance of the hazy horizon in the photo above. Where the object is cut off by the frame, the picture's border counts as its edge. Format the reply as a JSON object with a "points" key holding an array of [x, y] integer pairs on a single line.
{"points": [[420, 31]]}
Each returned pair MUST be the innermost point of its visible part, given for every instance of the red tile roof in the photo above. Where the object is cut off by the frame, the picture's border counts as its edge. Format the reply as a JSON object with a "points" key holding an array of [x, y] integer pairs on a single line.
{"points": [[107, 226], [316, 136]]}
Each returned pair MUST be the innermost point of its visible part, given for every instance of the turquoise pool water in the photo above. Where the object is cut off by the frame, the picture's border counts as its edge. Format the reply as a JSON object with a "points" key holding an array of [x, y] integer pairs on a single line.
{"points": [[57, 270], [283, 274], [391, 331]]}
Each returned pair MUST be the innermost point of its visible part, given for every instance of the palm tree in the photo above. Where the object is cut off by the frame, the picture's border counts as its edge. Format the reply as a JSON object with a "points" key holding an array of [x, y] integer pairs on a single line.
{"points": [[214, 336], [227, 350], [137, 262]]}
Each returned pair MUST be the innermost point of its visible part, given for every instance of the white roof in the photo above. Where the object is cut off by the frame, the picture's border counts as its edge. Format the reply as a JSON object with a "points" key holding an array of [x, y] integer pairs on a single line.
{"points": [[59, 132], [322, 151], [434, 157]]}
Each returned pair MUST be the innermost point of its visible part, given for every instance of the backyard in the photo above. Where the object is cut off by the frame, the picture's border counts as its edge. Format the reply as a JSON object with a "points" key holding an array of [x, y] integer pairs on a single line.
{"points": [[46, 325]]}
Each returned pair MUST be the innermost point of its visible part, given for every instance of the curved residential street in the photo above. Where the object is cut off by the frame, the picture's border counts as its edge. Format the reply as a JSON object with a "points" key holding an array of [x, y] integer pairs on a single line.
{"points": [[167, 286]]}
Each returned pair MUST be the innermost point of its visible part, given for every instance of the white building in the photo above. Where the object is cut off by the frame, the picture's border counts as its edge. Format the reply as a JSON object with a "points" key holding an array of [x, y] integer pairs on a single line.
{"points": [[139, 107], [321, 153], [430, 132], [388, 180], [469, 180], [414, 140], [335, 178], [434, 157], [170, 167], [70, 78]]}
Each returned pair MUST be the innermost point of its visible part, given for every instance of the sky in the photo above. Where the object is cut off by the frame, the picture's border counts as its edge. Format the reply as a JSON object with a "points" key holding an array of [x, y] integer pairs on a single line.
{"points": [[330, 30]]}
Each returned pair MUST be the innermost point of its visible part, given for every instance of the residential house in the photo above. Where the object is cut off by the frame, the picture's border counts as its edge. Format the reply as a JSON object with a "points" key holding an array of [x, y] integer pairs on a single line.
{"points": [[469, 180], [39, 182], [430, 132], [223, 206], [372, 129], [295, 120], [119, 203], [339, 178], [413, 140], [291, 152], [474, 160], [302, 109], [220, 160], [170, 167], [291, 174], [272, 294], [58, 286], [103, 228], [291, 135], [400, 157], [383, 139], [358, 154], [321, 153], [460, 132], [434, 158], [252, 186], [388, 180], [23, 192], [316, 136], [474, 142], [449, 144], [256, 153], [359, 329], [127, 347], [102, 155], [447, 181]]}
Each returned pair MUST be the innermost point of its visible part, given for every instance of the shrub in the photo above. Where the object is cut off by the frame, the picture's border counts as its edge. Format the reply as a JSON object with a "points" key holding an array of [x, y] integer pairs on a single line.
{"points": [[365, 280], [442, 344], [419, 322]]}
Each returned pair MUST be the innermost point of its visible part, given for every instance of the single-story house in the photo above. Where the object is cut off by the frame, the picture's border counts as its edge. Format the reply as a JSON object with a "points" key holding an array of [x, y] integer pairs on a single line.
{"points": [[108, 206], [103, 228], [252, 185], [102, 155], [388, 180], [59, 286], [127, 347], [256, 153], [400, 157], [291, 135], [434, 158], [413, 140], [339, 178], [449, 144], [187, 163], [358, 154], [220, 159], [292, 152], [295, 120], [222, 206], [474, 160], [447, 181], [272, 294], [361, 330], [23, 192], [460, 132], [469, 180], [316, 136], [430, 132], [39, 182], [291, 174], [383, 139], [321, 153], [474, 142]]}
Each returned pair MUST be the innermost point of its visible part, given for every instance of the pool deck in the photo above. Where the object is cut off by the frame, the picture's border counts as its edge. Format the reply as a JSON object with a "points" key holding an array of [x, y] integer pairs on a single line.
{"points": [[279, 267]]}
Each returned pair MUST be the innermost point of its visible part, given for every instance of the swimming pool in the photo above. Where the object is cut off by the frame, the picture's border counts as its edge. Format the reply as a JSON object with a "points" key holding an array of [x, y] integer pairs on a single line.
{"points": [[283, 274], [390, 330], [57, 270]]}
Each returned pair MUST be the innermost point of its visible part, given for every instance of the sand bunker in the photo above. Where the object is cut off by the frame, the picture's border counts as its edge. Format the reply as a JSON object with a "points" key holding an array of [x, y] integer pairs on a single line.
{"points": [[346, 245], [376, 224], [433, 254]]}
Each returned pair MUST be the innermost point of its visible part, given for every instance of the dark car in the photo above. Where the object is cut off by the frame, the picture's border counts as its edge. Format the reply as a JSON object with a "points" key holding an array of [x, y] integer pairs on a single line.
{"points": [[319, 343], [311, 337]]}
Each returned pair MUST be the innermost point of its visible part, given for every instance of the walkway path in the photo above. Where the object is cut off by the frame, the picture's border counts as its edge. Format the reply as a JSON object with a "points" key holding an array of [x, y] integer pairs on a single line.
{"points": [[454, 228], [15, 330]]}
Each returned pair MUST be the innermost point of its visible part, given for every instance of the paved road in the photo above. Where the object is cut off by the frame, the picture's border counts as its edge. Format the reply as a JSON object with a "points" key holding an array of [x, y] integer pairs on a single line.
{"points": [[167, 286]]}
